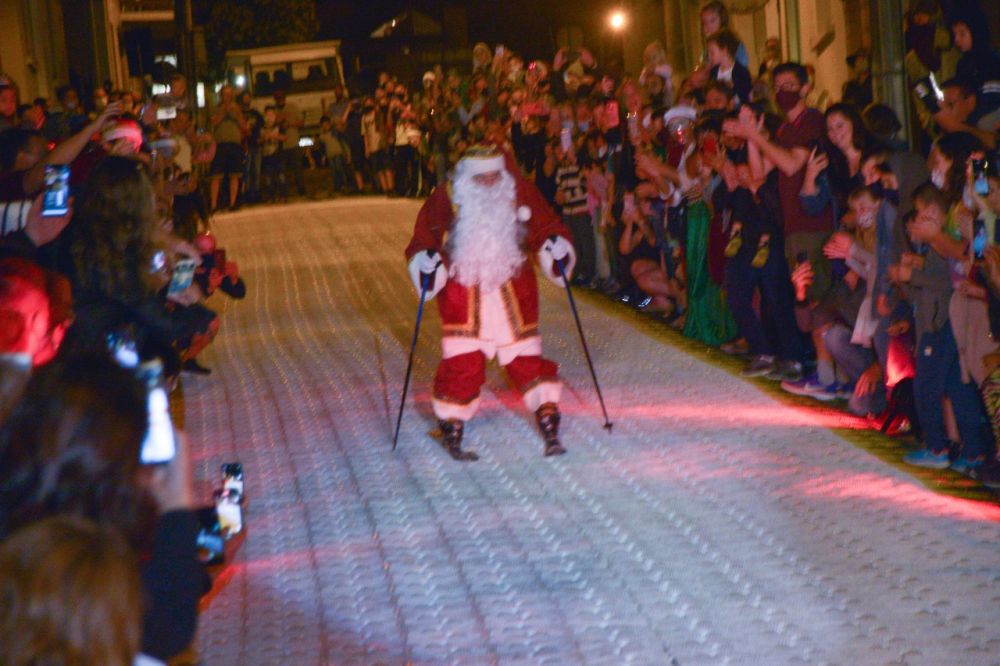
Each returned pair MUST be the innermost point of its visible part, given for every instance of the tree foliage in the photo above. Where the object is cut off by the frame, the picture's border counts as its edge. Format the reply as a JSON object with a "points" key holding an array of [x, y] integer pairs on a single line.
{"points": [[247, 24]]}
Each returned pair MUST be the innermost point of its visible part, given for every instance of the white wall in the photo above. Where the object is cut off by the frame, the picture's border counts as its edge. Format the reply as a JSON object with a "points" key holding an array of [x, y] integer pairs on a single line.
{"points": [[830, 64]]}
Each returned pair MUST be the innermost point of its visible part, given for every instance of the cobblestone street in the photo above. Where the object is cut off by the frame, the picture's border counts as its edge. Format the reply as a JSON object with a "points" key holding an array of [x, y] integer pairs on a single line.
{"points": [[714, 526]]}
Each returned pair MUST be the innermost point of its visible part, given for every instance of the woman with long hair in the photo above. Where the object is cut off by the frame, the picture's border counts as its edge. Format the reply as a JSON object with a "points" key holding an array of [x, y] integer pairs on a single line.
{"points": [[847, 138], [110, 254]]}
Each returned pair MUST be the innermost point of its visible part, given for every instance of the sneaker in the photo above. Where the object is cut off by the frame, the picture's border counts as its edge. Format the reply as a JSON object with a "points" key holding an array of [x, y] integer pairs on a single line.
{"points": [[964, 465], [988, 473], [927, 458], [786, 371], [758, 366], [810, 387]]}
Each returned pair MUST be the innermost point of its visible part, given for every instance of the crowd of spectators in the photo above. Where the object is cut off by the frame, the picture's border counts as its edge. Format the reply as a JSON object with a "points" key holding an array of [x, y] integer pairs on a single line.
{"points": [[106, 262], [843, 263]]}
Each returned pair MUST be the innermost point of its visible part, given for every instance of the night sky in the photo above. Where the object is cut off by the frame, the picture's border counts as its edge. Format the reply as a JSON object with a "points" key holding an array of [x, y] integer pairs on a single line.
{"points": [[527, 26]]}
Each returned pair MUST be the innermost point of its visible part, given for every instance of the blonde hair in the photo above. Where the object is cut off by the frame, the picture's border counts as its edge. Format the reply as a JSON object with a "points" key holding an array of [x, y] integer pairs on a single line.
{"points": [[71, 596]]}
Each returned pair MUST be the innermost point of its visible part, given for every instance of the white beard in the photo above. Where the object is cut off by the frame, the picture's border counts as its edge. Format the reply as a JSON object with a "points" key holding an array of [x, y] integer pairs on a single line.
{"points": [[485, 242]]}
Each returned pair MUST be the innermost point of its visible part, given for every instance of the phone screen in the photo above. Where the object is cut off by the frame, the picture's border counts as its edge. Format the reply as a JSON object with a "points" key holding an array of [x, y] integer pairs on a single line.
{"points": [[159, 445], [166, 112], [182, 277], [566, 139], [978, 238], [56, 201], [980, 184]]}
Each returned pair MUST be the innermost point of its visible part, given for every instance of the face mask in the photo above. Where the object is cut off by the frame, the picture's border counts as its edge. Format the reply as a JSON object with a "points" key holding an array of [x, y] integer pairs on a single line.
{"points": [[787, 99], [866, 220], [584, 125], [938, 178]]}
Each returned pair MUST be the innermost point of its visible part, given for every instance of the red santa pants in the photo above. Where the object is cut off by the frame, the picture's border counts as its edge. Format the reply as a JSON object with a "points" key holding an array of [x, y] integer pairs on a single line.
{"points": [[459, 378]]}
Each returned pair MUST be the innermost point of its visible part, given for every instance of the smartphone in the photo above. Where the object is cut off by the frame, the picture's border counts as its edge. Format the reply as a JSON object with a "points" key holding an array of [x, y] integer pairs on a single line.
{"points": [[166, 112], [980, 185], [926, 90], [182, 276], [160, 445], [978, 238], [56, 200], [566, 139]]}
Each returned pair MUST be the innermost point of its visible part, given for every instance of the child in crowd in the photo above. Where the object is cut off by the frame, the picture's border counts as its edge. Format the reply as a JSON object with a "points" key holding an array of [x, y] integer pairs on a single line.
{"points": [[272, 136], [722, 48], [338, 154], [926, 282], [571, 195]]}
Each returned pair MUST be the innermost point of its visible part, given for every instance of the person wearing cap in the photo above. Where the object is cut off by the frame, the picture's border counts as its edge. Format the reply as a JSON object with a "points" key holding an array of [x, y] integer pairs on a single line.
{"points": [[494, 220]]}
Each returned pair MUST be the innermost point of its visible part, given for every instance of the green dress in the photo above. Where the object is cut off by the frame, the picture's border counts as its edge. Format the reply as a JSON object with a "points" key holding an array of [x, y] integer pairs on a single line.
{"points": [[708, 316]]}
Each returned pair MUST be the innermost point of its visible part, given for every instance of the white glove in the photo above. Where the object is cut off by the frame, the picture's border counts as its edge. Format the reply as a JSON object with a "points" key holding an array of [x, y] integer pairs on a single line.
{"points": [[428, 263], [556, 248]]}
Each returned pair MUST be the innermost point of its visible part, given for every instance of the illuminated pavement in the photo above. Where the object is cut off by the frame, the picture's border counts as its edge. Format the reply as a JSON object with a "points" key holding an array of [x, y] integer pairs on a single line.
{"points": [[714, 526]]}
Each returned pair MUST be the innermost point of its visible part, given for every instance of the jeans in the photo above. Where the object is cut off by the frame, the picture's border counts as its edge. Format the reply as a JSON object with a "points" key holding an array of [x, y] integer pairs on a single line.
{"points": [[583, 243], [251, 174], [292, 158], [406, 167], [602, 263], [338, 173], [939, 375], [741, 280], [853, 360]]}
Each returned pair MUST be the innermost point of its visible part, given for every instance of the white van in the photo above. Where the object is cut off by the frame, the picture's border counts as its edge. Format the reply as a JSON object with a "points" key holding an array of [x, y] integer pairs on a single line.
{"points": [[310, 73]]}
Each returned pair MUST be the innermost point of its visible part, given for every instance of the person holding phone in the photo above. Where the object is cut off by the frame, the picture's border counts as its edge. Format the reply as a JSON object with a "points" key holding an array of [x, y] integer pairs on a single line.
{"points": [[926, 282], [81, 424]]}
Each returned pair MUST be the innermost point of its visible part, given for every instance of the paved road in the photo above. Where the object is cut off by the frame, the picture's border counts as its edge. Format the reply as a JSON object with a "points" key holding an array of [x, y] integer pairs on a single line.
{"points": [[715, 526]]}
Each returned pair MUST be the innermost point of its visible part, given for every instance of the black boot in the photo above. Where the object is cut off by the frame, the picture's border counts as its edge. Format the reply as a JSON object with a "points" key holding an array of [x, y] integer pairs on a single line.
{"points": [[451, 440], [548, 421]]}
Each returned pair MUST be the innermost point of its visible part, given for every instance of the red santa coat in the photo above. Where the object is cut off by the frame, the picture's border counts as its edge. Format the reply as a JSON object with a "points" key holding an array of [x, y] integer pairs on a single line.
{"points": [[458, 304]]}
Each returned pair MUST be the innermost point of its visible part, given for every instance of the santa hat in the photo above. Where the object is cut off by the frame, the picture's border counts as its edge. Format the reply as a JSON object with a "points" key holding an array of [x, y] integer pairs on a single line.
{"points": [[480, 159]]}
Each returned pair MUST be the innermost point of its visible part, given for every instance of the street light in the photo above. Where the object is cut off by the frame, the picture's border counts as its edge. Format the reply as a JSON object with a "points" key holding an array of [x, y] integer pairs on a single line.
{"points": [[617, 20]]}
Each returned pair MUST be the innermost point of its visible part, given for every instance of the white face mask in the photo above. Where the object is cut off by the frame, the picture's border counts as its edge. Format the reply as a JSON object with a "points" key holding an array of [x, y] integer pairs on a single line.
{"points": [[938, 178], [866, 220]]}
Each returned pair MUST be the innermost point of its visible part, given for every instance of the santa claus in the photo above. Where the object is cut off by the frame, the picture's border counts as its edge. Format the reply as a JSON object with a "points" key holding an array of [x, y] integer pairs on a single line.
{"points": [[472, 247]]}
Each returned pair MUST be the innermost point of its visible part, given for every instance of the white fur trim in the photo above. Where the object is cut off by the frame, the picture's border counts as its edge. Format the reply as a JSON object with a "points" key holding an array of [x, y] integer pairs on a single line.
{"points": [[451, 410], [542, 393], [474, 166], [523, 213]]}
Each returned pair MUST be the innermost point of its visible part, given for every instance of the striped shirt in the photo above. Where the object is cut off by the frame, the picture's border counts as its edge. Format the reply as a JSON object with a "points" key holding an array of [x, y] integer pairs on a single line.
{"points": [[573, 185]]}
